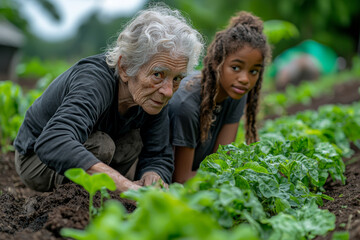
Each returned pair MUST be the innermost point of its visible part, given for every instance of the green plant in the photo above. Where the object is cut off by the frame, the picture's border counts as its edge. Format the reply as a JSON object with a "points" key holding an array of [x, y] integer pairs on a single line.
{"points": [[11, 117], [92, 184], [335, 124], [277, 102], [13, 105], [344, 235], [159, 215], [277, 30], [268, 190]]}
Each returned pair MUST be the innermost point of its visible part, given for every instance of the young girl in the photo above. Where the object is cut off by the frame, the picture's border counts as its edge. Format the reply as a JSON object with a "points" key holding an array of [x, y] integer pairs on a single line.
{"points": [[206, 110]]}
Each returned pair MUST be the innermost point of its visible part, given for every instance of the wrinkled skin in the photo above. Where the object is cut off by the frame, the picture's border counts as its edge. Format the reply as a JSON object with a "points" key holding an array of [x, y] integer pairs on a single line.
{"points": [[151, 88], [239, 73], [154, 84], [149, 178]]}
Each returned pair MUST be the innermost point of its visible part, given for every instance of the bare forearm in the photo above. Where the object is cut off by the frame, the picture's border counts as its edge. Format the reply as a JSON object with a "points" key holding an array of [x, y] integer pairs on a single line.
{"points": [[183, 176], [184, 157], [122, 183]]}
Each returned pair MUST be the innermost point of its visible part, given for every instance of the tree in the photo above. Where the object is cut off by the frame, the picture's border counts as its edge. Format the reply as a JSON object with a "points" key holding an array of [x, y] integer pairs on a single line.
{"points": [[329, 22]]}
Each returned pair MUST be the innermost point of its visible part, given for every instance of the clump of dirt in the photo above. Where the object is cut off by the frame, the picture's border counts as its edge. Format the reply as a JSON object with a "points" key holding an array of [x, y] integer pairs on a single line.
{"points": [[26, 214]]}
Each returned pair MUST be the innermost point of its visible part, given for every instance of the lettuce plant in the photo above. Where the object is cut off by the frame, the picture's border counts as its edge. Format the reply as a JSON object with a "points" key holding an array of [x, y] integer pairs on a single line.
{"points": [[159, 215]]}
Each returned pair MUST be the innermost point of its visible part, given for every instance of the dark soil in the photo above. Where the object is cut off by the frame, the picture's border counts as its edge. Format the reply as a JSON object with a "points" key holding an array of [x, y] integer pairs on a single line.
{"points": [[26, 214], [345, 93], [346, 204]]}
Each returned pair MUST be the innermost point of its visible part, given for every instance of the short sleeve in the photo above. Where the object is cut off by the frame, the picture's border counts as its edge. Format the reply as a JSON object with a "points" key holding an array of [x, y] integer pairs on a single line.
{"points": [[184, 109], [235, 110]]}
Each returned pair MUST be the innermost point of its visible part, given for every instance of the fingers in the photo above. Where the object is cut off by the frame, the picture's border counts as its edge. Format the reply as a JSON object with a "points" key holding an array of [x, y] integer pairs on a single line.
{"points": [[165, 185], [129, 186], [140, 182], [149, 178]]}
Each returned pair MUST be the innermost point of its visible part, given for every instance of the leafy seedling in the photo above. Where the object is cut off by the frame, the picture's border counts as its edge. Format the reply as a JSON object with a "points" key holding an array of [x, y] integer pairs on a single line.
{"points": [[92, 184]]}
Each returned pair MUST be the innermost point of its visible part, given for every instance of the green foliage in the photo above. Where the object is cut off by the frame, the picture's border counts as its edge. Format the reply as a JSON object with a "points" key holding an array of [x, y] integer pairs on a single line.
{"points": [[92, 184], [13, 105], [337, 125], [159, 215], [328, 22], [309, 221], [10, 10], [356, 65], [277, 30], [341, 235], [267, 190], [277, 102], [281, 173], [44, 71], [14, 102], [11, 114]]}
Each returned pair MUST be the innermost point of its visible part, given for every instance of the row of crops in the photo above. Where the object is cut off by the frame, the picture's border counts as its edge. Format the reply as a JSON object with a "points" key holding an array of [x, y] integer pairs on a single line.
{"points": [[271, 189], [276, 103]]}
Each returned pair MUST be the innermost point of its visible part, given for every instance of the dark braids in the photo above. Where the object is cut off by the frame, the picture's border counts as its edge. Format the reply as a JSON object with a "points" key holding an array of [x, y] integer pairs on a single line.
{"points": [[244, 29]]}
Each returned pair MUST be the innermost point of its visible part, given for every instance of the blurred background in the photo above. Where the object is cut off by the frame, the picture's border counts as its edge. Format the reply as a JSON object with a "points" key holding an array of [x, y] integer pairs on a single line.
{"points": [[311, 39], [71, 29]]}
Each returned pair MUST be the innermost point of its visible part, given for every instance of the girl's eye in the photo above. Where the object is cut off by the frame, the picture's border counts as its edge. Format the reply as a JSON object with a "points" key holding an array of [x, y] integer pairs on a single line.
{"points": [[236, 68], [254, 72]]}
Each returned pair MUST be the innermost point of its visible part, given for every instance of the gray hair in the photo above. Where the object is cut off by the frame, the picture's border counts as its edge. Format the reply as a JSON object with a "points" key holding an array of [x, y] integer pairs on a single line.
{"points": [[151, 31]]}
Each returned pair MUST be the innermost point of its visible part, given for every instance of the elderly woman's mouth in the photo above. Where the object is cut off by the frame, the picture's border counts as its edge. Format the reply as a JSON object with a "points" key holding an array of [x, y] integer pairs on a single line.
{"points": [[158, 103]]}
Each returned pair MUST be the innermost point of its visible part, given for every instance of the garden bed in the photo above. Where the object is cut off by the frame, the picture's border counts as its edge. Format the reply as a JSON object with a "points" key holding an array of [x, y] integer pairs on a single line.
{"points": [[26, 214]]}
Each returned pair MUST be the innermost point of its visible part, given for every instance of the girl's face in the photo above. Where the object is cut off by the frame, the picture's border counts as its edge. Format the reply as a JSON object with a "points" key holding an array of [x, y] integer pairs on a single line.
{"points": [[239, 73]]}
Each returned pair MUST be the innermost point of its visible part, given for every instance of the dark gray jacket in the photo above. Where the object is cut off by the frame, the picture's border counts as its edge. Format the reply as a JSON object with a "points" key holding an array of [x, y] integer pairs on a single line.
{"points": [[80, 101]]}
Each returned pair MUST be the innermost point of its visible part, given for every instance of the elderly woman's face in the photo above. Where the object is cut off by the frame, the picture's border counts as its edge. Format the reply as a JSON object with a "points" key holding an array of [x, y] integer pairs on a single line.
{"points": [[156, 81]]}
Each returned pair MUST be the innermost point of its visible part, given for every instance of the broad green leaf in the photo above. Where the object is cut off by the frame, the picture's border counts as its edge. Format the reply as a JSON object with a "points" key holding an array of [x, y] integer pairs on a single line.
{"points": [[281, 205], [269, 189], [91, 183], [252, 166]]}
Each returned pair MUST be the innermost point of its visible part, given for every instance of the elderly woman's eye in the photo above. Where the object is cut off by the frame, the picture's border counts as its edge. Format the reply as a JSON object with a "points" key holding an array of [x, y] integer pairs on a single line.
{"points": [[158, 75], [178, 79]]}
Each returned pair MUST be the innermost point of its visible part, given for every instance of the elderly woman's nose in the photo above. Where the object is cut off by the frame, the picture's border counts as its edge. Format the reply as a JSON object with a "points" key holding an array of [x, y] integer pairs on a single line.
{"points": [[167, 88]]}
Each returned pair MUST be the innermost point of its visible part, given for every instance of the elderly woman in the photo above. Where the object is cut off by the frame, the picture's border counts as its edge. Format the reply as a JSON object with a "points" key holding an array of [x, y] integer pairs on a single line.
{"points": [[109, 111]]}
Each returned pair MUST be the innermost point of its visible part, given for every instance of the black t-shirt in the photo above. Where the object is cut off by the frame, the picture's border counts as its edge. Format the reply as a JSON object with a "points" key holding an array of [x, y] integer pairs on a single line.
{"points": [[184, 114], [80, 101]]}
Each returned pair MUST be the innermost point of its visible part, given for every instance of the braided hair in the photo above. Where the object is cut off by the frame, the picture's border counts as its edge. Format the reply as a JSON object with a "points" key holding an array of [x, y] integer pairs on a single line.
{"points": [[244, 29]]}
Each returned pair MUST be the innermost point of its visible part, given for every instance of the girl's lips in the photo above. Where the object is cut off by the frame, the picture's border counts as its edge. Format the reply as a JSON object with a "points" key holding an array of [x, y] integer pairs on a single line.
{"points": [[239, 90]]}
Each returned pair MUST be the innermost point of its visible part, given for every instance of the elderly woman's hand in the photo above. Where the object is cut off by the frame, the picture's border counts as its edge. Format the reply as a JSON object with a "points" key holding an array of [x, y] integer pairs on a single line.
{"points": [[150, 178]]}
